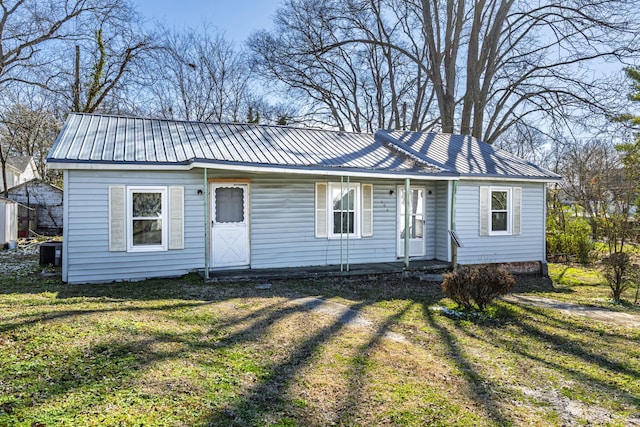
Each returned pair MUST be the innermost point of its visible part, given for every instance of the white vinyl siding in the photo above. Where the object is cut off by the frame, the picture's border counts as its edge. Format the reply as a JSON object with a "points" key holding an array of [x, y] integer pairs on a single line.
{"points": [[90, 221], [430, 221], [442, 216], [283, 229], [526, 241], [283, 224]]}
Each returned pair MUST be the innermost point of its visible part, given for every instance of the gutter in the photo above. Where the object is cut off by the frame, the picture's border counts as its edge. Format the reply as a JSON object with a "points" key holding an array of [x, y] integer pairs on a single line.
{"points": [[302, 170], [248, 167]]}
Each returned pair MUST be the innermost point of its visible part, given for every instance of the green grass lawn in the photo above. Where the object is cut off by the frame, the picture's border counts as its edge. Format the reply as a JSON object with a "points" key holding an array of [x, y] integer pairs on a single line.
{"points": [[179, 352], [587, 285]]}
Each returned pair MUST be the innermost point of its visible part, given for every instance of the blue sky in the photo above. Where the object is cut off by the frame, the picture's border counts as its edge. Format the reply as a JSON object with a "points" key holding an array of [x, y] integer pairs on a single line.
{"points": [[235, 18]]}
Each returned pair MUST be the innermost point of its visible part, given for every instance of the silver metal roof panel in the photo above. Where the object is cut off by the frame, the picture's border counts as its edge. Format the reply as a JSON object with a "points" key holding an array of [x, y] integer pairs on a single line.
{"points": [[464, 154], [103, 139]]}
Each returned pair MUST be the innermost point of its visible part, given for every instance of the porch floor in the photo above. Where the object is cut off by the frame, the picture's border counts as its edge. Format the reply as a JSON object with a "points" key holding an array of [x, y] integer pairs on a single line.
{"points": [[416, 267]]}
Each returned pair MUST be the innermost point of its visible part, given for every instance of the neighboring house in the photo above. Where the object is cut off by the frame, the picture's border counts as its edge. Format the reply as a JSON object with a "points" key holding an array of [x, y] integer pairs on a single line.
{"points": [[148, 198], [19, 169], [41, 207]]}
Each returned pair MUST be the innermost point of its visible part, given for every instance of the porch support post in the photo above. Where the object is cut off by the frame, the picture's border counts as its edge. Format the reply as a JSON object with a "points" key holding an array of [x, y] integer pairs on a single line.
{"points": [[348, 221], [407, 187], [207, 243], [454, 245], [341, 219]]}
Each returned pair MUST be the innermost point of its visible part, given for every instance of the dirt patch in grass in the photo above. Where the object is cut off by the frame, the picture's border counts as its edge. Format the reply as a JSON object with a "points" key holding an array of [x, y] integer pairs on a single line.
{"points": [[595, 313]]}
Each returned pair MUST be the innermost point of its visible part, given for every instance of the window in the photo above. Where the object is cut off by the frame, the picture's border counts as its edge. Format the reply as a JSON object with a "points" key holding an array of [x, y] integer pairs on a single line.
{"points": [[147, 218], [500, 210], [229, 204], [344, 205], [344, 210]]}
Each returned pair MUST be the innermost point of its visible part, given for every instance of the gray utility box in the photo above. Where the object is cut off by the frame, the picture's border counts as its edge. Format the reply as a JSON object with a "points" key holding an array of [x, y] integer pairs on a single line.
{"points": [[51, 253]]}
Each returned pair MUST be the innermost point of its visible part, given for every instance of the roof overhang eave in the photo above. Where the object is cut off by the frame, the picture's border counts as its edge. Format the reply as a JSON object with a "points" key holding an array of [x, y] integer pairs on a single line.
{"points": [[248, 167], [516, 178]]}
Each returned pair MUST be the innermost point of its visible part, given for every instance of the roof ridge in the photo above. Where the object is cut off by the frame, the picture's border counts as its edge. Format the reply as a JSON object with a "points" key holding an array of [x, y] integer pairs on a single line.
{"points": [[226, 123], [393, 144]]}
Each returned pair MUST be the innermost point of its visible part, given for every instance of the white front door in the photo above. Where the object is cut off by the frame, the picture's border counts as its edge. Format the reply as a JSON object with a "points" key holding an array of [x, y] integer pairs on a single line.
{"points": [[416, 221], [229, 225]]}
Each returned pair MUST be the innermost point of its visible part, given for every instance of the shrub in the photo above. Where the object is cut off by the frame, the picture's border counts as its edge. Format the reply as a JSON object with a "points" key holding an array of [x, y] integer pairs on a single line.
{"points": [[477, 284], [574, 239], [619, 272]]}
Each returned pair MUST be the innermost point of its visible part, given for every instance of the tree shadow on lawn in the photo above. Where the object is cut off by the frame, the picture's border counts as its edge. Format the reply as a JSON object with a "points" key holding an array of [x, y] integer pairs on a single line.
{"points": [[357, 373], [268, 398], [562, 354], [561, 344], [529, 283], [269, 401], [106, 367], [578, 323], [116, 364], [479, 388]]}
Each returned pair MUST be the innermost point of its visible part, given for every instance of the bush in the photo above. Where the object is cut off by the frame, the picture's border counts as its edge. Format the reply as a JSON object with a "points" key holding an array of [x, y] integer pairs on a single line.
{"points": [[477, 284], [574, 239], [619, 272]]}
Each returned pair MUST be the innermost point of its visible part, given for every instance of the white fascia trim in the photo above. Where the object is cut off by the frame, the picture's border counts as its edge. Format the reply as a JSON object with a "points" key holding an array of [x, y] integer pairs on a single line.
{"points": [[115, 166], [246, 168], [509, 179]]}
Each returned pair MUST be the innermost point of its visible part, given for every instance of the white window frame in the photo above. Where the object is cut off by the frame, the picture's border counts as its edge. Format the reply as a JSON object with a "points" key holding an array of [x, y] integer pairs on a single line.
{"points": [[357, 210], [164, 218], [490, 211]]}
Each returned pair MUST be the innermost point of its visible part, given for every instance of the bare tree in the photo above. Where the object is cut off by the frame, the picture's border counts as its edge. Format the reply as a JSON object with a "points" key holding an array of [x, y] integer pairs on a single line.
{"points": [[110, 66], [487, 64], [96, 69], [198, 75], [527, 142], [360, 87], [30, 132], [592, 177], [28, 26]]}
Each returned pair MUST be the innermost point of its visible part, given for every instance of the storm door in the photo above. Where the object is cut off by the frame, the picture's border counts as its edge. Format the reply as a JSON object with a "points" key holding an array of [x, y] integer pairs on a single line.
{"points": [[416, 224], [229, 225]]}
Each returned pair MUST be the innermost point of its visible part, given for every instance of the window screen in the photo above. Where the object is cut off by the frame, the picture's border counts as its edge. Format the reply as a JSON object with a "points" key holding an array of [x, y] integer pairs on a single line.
{"points": [[229, 205]]}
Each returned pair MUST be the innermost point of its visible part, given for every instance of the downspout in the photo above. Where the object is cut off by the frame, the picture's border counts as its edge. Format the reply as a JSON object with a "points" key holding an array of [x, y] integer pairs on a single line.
{"points": [[407, 186], [207, 225], [454, 245]]}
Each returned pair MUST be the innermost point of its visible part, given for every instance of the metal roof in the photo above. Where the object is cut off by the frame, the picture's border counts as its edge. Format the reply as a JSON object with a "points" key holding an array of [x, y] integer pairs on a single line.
{"points": [[93, 140], [102, 139], [464, 154]]}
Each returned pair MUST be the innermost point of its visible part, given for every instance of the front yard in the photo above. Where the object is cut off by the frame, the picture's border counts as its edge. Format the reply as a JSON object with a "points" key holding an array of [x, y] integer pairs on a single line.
{"points": [[356, 352]]}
